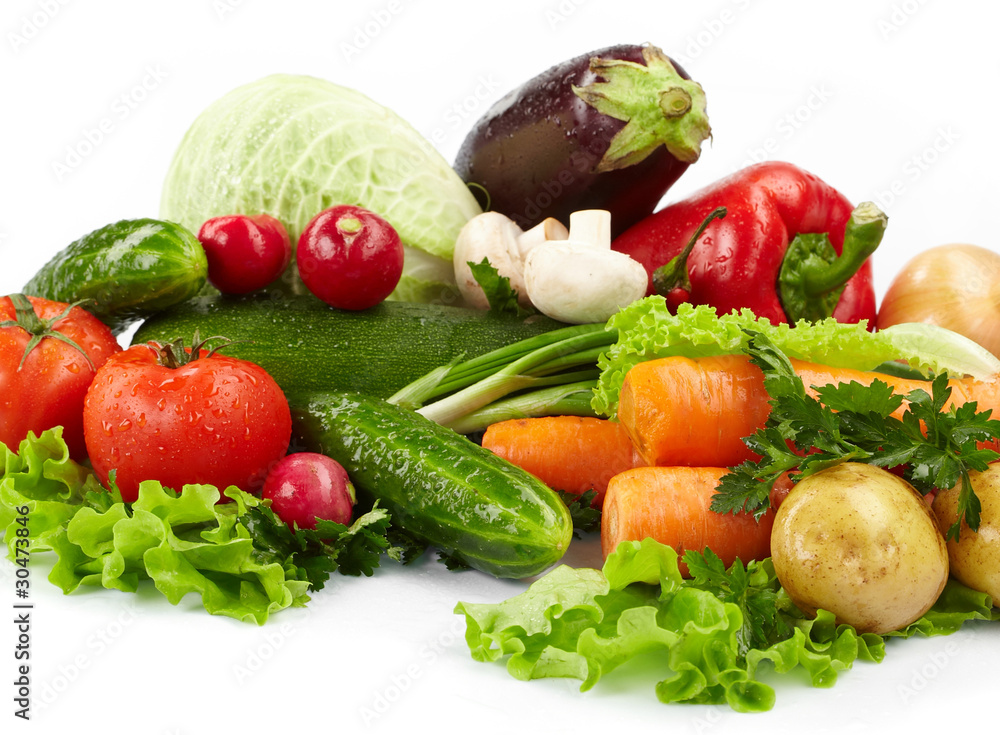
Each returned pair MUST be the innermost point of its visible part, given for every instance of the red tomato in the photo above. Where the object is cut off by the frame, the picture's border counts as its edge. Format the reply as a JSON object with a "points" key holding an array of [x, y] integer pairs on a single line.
{"points": [[213, 420], [48, 388]]}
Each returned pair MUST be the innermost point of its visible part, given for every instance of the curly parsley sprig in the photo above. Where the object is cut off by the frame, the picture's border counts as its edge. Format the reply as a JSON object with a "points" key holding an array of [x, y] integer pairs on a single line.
{"points": [[936, 445]]}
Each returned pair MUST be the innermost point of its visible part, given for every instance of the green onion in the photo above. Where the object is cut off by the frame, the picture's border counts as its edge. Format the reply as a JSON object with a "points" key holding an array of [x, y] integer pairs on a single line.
{"points": [[551, 373]]}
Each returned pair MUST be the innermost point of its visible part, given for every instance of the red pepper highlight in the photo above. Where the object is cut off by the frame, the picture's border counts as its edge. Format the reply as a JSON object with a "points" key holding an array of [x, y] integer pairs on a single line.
{"points": [[736, 261]]}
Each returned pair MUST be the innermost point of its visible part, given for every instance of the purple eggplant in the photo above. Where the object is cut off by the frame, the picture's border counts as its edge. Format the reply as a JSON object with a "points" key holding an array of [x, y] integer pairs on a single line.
{"points": [[613, 129]]}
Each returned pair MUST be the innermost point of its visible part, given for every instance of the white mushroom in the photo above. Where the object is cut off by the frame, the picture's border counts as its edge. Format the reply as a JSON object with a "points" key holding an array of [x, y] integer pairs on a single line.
{"points": [[591, 226], [497, 238], [492, 236], [582, 280], [548, 229]]}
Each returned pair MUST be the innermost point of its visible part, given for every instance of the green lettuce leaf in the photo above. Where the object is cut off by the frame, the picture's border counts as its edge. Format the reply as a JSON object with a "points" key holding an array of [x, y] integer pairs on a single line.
{"points": [[238, 557], [647, 330], [184, 542], [583, 623], [42, 477]]}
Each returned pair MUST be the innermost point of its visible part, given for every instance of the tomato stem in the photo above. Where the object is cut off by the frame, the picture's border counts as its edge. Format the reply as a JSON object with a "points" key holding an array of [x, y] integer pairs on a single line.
{"points": [[176, 354], [28, 319]]}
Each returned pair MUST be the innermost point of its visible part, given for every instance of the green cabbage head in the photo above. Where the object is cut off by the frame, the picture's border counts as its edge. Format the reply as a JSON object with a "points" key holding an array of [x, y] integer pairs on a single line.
{"points": [[291, 146]]}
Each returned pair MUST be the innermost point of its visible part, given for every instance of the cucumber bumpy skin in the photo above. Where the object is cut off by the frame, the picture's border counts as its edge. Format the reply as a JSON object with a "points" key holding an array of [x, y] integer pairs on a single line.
{"points": [[437, 484], [125, 271]]}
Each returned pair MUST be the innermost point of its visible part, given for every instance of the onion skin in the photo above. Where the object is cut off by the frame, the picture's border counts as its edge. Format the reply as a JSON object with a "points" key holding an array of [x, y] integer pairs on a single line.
{"points": [[952, 286]]}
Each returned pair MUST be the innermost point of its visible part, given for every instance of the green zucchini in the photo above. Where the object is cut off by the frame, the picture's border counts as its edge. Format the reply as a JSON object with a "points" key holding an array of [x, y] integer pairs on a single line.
{"points": [[437, 484], [306, 345], [126, 270]]}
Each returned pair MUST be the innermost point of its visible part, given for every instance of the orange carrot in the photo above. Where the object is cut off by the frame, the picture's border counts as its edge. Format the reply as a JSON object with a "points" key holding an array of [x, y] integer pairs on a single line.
{"points": [[671, 505], [569, 453], [680, 411]]}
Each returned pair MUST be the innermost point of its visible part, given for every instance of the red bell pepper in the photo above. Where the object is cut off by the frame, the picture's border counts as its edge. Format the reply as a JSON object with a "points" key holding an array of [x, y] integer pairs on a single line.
{"points": [[778, 249]]}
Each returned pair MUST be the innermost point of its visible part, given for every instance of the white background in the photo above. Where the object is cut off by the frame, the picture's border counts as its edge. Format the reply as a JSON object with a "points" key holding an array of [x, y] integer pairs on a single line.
{"points": [[890, 101]]}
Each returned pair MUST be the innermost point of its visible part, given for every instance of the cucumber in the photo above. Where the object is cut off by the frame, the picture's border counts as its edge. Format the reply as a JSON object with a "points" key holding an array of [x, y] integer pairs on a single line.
{"points": [[127, 270], [306, 345], [437, 484]]}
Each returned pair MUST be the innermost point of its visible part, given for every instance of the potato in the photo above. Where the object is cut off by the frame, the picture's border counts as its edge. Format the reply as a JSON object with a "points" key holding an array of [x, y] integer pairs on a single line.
{"points": [[975, 557], [859, 542]]}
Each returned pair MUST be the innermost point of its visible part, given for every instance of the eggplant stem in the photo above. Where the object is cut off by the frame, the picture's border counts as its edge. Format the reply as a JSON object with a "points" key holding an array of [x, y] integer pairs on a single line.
{"points": [[675, 102]]}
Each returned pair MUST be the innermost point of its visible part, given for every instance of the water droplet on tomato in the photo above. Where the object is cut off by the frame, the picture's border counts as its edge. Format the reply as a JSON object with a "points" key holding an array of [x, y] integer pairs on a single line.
{"points": [[141, 421], [125, 425], [108, 428], [162, 404]]}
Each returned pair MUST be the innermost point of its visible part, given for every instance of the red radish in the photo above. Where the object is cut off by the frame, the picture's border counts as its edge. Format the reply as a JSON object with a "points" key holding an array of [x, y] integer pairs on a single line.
{"points": [[245, 252], [305, 486], [350, 257]]}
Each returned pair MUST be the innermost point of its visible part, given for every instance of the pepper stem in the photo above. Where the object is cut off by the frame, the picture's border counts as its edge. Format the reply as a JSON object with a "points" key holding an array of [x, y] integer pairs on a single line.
{"points": [[862, 236], [813, 276], [674, 273]]}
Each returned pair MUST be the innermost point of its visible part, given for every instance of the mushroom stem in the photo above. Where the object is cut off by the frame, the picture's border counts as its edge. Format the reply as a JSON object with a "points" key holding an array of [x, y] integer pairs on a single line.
{"points": [[545, 231], [592, 226]]}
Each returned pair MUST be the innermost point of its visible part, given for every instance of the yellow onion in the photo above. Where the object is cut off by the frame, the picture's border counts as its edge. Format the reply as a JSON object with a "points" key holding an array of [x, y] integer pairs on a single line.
{"points": [[951, 286]]}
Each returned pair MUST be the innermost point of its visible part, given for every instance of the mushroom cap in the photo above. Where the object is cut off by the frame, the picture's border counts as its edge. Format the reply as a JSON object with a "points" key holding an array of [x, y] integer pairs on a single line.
{"points": [[577, 283]]}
